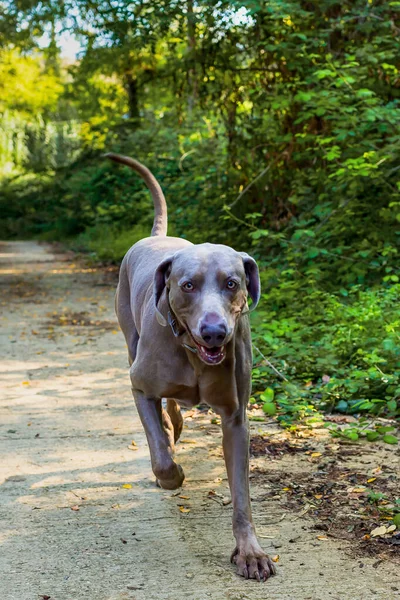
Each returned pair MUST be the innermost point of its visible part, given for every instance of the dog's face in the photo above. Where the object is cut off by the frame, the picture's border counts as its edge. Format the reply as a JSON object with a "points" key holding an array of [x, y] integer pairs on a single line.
{"points": [[207, 286]]}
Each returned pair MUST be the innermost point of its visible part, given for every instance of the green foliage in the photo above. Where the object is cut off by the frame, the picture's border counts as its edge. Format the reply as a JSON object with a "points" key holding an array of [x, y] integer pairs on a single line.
{"points": [[344, 351], [108, 243], [25, 86], [360, 430]]}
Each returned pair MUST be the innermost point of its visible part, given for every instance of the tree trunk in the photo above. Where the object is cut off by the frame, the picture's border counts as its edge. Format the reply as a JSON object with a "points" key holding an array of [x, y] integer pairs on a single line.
{"points": [[191, 28], [230, 122], [133, 99]]}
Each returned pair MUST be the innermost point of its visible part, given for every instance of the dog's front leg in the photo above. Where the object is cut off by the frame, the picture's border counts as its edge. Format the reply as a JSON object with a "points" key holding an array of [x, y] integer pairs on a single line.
{"points": [[169, 475], [250, 559]]}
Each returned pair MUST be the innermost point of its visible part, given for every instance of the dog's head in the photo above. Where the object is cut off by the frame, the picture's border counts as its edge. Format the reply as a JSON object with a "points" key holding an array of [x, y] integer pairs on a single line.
{"points": [[207, 287]]}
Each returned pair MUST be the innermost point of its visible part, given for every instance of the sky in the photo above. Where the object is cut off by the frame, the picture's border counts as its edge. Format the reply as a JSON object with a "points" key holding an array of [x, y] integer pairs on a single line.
{"points": [[69, 46]]}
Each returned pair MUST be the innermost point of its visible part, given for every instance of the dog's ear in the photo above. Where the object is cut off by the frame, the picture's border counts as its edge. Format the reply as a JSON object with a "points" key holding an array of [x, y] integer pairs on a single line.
{"points": [[160, 279], [252, 278]]}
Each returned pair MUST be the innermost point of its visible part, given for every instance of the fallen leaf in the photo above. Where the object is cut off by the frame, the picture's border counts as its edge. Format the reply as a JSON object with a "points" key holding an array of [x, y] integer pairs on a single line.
{"points": [[391, 528], [188, 442], [378, 531], [376, 471], [316, 454], [322, 538], [184, 497], [26, 383], [76, 507], [127, 486], [133, 443], [132, 447], [318, 496], [275, 559], [371, 479], [183, 509]]}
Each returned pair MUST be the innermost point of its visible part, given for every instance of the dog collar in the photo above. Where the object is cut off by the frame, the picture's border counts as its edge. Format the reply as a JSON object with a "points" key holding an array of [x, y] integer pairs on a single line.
{"points": [[178, 331], [174, 324]]}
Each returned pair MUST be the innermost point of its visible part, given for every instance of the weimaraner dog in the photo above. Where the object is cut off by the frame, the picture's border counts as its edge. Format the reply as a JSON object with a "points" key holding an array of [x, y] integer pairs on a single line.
{"points": [[183, 311]]}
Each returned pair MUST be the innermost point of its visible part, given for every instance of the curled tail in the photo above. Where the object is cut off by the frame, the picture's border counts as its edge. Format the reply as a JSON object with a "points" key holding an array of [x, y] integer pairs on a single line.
{"points": [[160, 222]]}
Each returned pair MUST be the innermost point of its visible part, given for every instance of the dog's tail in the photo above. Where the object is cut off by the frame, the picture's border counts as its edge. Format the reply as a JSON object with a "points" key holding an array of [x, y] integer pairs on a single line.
{"points": [[160, 222]]}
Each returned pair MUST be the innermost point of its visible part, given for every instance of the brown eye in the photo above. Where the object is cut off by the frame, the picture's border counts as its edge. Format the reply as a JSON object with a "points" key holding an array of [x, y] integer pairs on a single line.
{"points": [[231, 284], [188, 286]]}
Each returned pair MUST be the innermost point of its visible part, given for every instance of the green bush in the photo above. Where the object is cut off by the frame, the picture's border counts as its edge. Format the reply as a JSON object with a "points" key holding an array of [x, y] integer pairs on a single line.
{"points": [[107, 243]]}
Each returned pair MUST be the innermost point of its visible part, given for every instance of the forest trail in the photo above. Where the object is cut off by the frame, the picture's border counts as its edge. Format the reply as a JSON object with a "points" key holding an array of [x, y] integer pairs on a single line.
{"points": [[81, 517]]}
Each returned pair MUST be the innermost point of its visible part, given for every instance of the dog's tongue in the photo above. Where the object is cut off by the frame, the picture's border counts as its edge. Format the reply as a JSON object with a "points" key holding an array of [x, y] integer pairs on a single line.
{"points": [[212, 356]]}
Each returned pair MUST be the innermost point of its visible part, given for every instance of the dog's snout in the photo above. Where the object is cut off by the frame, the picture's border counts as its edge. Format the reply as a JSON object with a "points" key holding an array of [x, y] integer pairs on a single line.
{"points": [[213, 332]]}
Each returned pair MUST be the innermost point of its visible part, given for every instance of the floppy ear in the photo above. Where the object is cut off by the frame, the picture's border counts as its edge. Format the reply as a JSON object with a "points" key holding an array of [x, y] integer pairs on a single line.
{"points": [[252, 278], [160, 279]]}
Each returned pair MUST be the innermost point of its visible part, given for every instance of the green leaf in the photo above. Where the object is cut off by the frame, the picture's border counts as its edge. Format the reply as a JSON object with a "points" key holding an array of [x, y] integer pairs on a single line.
{"points": [[342, 406], [268, 395], [390, 439], [269, 408], [384, 429], [396, 518]]}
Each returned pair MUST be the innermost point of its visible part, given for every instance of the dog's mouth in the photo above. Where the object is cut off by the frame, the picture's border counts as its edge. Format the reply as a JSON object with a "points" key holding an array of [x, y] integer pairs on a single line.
{"points": [[210, 356]]}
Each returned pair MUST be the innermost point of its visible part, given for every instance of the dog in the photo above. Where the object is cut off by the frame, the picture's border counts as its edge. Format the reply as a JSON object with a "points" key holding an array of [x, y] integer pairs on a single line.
{"points": [[184, 313]]}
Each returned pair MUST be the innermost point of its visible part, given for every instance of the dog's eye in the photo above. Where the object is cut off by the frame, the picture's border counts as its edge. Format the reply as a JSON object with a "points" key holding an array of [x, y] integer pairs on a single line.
{"points": [[188, 286], [231, 284]]}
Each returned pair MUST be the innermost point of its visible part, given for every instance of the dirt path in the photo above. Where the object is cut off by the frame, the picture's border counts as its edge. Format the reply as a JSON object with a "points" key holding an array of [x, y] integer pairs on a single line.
{"points": [[80, 515]]}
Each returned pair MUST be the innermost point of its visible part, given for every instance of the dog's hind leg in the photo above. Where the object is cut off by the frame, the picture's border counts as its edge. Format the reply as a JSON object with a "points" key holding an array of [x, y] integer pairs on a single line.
{"points": [[124, 314], [175, 416], [168, 428]]}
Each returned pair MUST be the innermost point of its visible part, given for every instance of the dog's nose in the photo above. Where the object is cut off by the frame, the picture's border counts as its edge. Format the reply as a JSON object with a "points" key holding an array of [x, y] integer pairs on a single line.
{"points": [[213, 334]]}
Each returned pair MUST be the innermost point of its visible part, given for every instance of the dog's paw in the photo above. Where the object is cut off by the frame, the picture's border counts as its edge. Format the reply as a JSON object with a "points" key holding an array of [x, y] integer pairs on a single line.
{"points": [[171, 480], [251, 562]]}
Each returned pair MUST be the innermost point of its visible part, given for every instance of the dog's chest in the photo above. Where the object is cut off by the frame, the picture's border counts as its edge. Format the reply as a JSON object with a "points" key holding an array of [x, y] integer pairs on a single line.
{"points": [[183, 387], [164, 376]]}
